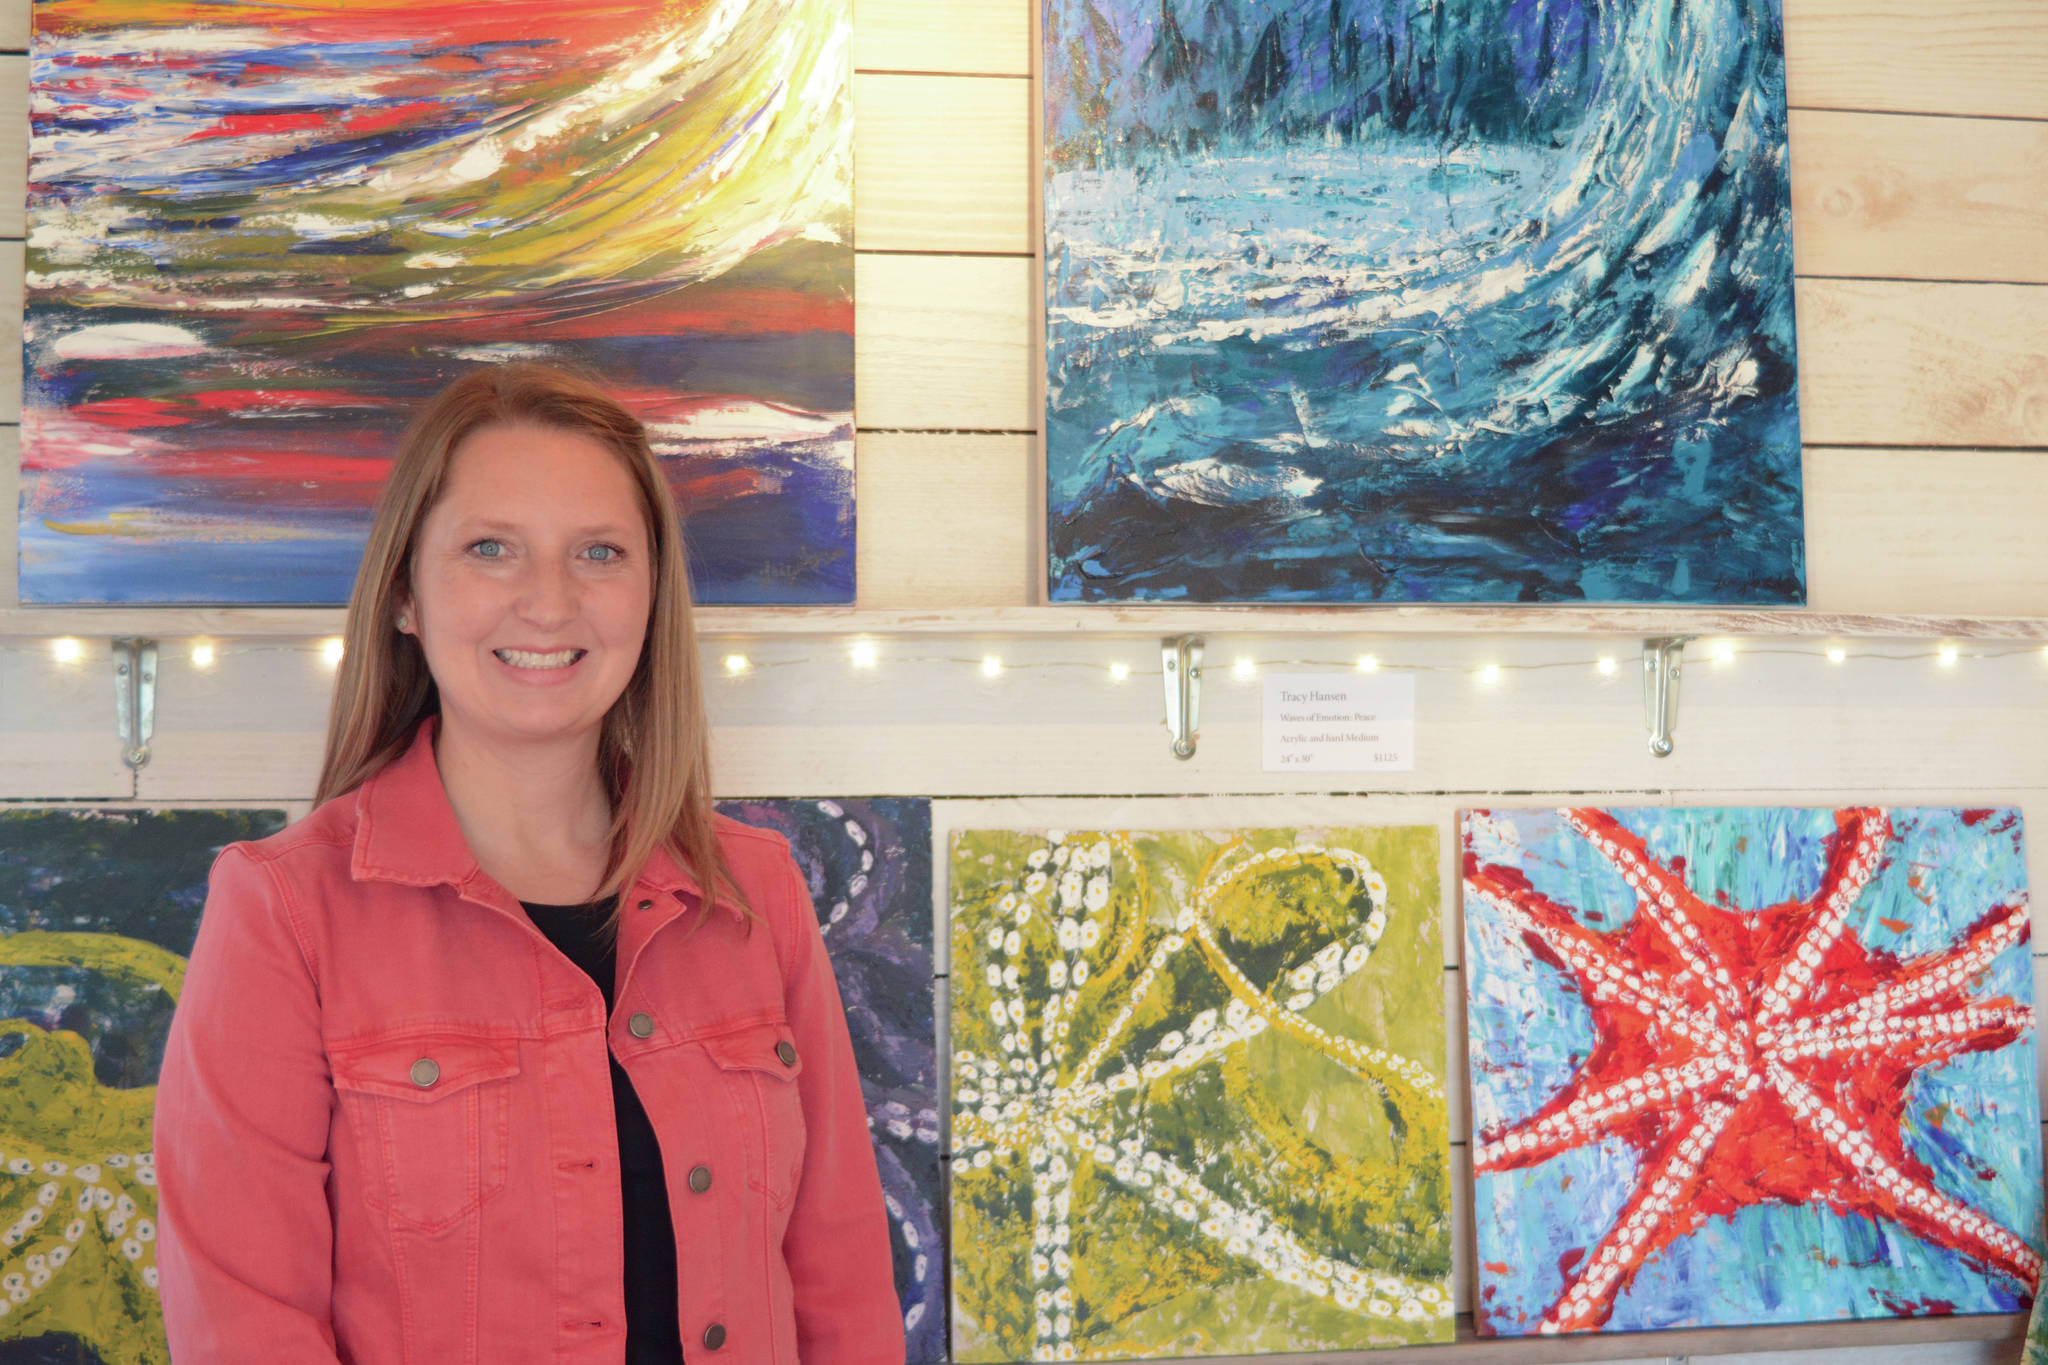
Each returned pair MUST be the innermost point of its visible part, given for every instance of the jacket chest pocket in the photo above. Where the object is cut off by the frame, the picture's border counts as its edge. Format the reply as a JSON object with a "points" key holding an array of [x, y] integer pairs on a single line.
{"points": [[432, 1118], [760, 1066]]}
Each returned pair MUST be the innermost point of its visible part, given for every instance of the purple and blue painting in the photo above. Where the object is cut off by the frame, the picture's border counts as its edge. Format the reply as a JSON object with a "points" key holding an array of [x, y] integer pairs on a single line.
{"points": [[868, 864], [262, 235], [1738, 1066], [1472, 301]]}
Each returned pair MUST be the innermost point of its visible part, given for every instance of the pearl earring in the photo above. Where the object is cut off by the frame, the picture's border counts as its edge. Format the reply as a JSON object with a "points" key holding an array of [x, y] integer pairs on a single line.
{"points": [[405, 623]]}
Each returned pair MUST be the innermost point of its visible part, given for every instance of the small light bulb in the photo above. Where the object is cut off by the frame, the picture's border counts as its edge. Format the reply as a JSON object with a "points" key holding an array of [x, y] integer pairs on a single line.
{"points": [[1836, 654], [736, 664], [1119, 672], [69, 649], [991, 666], [864, 654], [1368, 664], [1947, 656], [1606, 666], [1724, 652], [331, 650], [1490, 674], [202, 655]]}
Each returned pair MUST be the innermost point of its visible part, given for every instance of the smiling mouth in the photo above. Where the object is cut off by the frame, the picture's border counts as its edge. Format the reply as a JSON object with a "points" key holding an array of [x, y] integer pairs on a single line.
{"points": [[521, 658]]}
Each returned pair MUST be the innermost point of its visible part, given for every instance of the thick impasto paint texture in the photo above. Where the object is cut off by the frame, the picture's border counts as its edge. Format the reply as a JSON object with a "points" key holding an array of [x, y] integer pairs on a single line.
{"points": [[1750, 1066], [261, 235], [1198, 1093], [1469, 301], [98, 910], [868, 864]]}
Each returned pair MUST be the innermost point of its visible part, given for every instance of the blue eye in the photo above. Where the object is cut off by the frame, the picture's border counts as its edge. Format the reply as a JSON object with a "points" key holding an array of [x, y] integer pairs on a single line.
{"points": [[489, 549], [606, 554]]}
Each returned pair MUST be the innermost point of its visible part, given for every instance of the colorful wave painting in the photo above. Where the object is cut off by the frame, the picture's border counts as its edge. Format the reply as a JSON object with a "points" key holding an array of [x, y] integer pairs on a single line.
{"points": [[1741, 1066], [98, 910], [868, 865], [261, 234], [1473, 301]]}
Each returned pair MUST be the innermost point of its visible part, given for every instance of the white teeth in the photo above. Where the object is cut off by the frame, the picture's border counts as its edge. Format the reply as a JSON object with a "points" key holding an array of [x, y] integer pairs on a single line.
{"points": [[520, 658]]}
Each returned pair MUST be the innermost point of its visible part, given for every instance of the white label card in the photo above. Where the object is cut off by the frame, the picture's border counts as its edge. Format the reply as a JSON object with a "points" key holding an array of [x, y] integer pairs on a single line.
{"points": [[1340, 722]]}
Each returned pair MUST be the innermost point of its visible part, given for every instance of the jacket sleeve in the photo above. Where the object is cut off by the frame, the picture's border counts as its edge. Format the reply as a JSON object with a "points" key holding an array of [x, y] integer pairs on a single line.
{"points": [[243, 1110], [837, 1243]]}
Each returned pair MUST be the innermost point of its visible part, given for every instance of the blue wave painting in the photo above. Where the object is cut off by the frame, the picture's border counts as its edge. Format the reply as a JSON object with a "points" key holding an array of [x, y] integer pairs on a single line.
{"points": [[868, 864], [1463, 301]]}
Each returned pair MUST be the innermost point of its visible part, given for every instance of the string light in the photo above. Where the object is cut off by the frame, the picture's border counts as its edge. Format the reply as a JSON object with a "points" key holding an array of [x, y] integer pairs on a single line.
{"points": [[736, 664], [1947, 656], [1245, 667], [1836, 654], [1724, 651], [331, 650], [991, 666], [865, 654], [1368, 664], [68, 650], [1119, 672], [1490, 674], [202, 654], [1606, 665]]}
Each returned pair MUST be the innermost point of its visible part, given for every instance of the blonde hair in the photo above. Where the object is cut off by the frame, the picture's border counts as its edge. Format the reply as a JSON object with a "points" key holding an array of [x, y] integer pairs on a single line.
{"points": [[653, 754]]}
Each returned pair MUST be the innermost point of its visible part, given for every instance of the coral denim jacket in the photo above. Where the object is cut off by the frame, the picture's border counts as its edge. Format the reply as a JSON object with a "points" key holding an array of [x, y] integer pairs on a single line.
{"points": [[384, 1129]]}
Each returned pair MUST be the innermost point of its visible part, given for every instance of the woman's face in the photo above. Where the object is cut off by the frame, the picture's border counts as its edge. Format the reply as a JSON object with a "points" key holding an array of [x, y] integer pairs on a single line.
{"points": [[531, 582]]}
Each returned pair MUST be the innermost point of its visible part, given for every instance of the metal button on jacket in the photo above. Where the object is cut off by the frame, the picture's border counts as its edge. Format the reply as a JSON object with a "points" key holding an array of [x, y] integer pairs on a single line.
{"points": [[714, 1336], [700, 1179], [646, 905], [641, 1025], [786, 1050], [425, 1072]]}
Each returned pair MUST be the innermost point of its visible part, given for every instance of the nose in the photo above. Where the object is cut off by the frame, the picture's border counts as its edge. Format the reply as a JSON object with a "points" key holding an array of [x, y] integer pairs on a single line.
{"points": [[548, 594]]}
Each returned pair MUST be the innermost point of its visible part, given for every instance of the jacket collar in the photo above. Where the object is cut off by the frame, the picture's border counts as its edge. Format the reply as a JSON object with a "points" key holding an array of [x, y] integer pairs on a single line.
{"points": [[406, 831]]}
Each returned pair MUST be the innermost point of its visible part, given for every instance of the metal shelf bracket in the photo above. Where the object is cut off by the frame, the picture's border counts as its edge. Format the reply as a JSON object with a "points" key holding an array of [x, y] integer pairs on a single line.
{"points": [[1663, 660], [135, 698], [1180, 662]]}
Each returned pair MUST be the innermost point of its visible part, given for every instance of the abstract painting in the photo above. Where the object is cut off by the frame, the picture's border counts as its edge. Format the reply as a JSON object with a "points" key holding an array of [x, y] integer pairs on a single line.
{"points": [[1468, 301], [98, 910], [1750, 1066], [260, 235], [1198, 1093], [868, 864]]}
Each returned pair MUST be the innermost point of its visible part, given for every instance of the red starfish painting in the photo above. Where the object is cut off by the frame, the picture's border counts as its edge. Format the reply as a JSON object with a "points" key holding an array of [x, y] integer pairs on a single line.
{"points": [[1750, 1056]]}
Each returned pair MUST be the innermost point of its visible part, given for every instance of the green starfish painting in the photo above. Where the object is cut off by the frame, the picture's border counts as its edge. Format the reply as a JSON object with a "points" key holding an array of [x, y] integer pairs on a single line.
{"points": [[1198, 1093], [98, 909]]}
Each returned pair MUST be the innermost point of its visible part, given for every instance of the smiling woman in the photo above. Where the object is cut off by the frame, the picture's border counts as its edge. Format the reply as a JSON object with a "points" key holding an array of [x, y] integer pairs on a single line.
{"points": [[513, 915]]}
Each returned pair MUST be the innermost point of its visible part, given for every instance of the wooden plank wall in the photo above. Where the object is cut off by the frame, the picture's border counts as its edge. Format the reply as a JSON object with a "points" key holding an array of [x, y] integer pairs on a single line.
{"points": [[1920, 141]]}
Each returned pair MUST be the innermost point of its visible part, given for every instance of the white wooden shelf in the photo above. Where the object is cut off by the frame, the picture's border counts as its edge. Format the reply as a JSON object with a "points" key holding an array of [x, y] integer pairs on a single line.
{"points": [[288, 622]]}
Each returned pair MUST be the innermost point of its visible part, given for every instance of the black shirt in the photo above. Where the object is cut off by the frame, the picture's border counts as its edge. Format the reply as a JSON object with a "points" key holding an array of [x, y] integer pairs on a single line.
{"points": [[653, 1335]]}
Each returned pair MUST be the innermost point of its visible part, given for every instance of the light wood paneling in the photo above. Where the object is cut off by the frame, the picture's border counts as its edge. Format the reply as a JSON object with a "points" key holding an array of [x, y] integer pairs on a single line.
{"points": [[1952, 57], [955, 513], [983, 37], [13, 145], [14, 22], [1923, 530], [943, 343], [10, 345], [1902, 197], [1888, 364], [942, 163]]}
